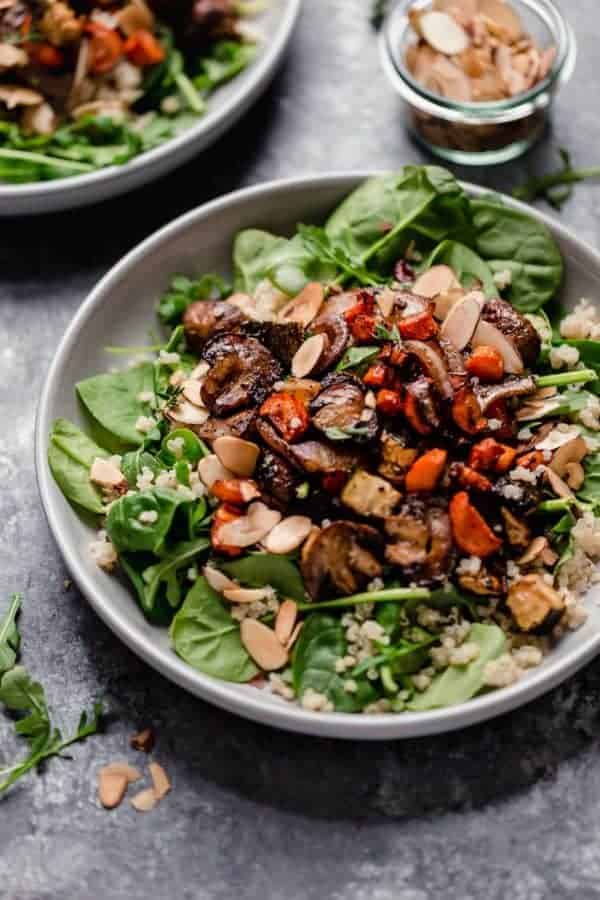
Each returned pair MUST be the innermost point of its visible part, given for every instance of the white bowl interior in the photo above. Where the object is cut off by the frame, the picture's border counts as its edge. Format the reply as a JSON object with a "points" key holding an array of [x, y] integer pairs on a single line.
{"points": [[120, 311]]}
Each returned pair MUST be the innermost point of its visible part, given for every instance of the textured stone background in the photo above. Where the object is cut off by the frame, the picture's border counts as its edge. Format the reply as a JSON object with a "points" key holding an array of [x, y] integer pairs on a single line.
{"points": [[510, 809]]}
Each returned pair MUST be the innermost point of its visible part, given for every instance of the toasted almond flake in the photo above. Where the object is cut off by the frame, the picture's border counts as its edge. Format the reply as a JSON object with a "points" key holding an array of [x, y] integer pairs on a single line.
{"points": [[191, 390], [560, 487], [288, 535], [530, 411], [544, 393], [13, 95], [547, 61], [437, 280], [211, 469], [124, 769], [443, 33], [468, 8], [135, 16], [237, 455], [307, 355], [574, 475], [305, 388], [449, 80], [106, 474], [144, 740], [549, 557], [200, 371], [385, 301], [145, 800], [251, 528], [239, 594], [304, 307], [285, 621], [535, 549], [12, 56], [160, 780], [261, 643], [444, 302], [185, 413], [462, 320], [218, 581], [294, 636], [248, 305], [502, 18], [111, 789], [488, 335]]}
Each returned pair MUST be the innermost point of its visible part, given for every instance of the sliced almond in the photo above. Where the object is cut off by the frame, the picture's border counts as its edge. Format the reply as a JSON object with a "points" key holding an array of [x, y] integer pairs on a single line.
{"points": [[135, 16], [488, 335], [449, 80], [443, 33], [200, 371], [459, 325], [574, 475], [145, 800], [236, 454], [544, 393], [191, 390], [247, 304], [294, 636], [437, 280], [218, 581], [288, 535], [385, 301], [307, 355], [549, 557], [160, 780], [304, 307], [572, 452], [111, 789], [466, 8], [535, 549], [554, 438], [251, 528], [123, 769], [13, 95], [560, 487], [530, 411], [285, 621], [105, 474], [262, 645], [239, 594], [503, 18], [211, 469], [444, 302], [185, 413], [11, 56]]}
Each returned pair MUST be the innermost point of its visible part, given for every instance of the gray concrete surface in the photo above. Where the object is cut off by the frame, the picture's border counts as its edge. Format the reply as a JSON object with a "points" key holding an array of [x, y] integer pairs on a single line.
{"points": [[507, 810]]}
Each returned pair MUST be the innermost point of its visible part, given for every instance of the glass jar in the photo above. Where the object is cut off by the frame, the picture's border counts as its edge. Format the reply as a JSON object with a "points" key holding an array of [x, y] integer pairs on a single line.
{"points": [[480, 133]]}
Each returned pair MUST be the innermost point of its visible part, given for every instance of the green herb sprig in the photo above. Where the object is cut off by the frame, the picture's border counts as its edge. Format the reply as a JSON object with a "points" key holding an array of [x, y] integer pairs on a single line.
{"points": [[556, 187]]}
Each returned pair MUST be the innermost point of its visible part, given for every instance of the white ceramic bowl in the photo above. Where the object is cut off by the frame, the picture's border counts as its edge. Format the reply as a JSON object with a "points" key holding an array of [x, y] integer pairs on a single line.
{"points": [[118, 312], [225, 107]]}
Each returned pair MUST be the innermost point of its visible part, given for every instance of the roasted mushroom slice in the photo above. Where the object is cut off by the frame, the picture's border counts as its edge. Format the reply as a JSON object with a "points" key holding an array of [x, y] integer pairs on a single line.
{"points": [[277, 480], [314, 457], [433, 364], [515, 327], [483, 584], [238, 425], [204, 319], [283, 340], [340, 408], [397, 456], [535, 605], [242, 373], [344, 554], [517, 531], [337, 333], [511, 387], [369, 495], [421, 539]]}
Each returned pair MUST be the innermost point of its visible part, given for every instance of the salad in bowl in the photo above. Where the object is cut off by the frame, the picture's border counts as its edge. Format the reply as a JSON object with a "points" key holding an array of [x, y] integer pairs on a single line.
{"points": [[86, 85], [363, 476]]}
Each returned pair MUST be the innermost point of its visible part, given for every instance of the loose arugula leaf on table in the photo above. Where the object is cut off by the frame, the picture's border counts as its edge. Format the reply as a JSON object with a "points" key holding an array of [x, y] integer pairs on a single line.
{"points": [[113, 405], [320, 644], [262, 569], [508, 239], [457, 684], [207, 638], [184, 291], [70, 457], [10, 638], [556, 187], [468, 267]]}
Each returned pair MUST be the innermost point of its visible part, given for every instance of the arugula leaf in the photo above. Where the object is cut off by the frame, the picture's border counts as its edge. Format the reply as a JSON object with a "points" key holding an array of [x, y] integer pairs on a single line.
{"points": [[113, 404], [383, 333], [555, 187], [70, 457], [204, 634], [9, 635], [457, 684], [183, 291], [262, 569], [346, 434]]}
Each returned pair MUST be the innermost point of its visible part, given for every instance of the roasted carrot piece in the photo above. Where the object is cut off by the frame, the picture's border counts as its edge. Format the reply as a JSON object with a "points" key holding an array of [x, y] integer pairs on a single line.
{"points": [[143, 49], [378, 375], [46, 55], [426, 471], [287, 413], [363, 328], [106, 47], [235, 490], [469, 478], [531, 460], [469, 528], [224, 514], [419, 327], [486, 363], [466, 411], [390, 403], [490, 455]]}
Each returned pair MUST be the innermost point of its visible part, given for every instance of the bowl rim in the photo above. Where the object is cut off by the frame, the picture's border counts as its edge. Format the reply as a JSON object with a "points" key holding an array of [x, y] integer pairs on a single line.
{"points": [[216, 120], [286, 716]]}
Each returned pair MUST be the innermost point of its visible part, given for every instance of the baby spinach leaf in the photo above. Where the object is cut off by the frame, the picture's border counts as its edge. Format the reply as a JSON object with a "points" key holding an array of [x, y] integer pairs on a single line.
{"points": [[288, 264], [468, 267], [135, 461], [183, 291], [331, 253], [207, 638], [590, 492], [459, 683], [320, 644], [9, 635], [112, 401], [508, 239], [70, 457], [261, 569], [126, 526]]}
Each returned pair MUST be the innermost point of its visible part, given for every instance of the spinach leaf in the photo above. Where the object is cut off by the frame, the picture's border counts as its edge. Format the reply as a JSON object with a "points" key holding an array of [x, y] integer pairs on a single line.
{"points": [[9, 635], [126, 526], [112, 402], [459, 683], [207, 638], [356, 357], [509, 239], [70, 457], [183, 291], [288, 264], [590, 491], [135, 461], [468, 267], [331, 253], [261, 569], [159, 585], [226, 60], [589, 355], [320, 644]]}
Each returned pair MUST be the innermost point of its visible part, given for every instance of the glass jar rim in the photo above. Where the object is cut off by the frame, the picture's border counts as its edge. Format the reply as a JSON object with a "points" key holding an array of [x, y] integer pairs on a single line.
{"points": [[538, 97]]}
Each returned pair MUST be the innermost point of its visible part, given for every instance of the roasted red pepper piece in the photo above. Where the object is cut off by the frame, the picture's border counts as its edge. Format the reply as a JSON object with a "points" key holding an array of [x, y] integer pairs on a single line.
{"points": [[288, 414], [532, 460], [486, 363], [235, 490], [426, 471]]}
